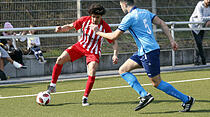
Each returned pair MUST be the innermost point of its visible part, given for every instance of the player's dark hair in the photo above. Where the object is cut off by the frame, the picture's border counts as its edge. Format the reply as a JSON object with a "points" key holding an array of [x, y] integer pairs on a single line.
{"points": [[129, 2], [96, 9]]}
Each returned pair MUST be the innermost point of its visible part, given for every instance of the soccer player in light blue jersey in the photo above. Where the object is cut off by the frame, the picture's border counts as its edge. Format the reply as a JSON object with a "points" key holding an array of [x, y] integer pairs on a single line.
{"points": [[139, 23]]}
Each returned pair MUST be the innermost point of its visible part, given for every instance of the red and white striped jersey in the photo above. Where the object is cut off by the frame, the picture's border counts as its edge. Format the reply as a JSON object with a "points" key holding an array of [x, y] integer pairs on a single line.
{"points": [[89, 40]]}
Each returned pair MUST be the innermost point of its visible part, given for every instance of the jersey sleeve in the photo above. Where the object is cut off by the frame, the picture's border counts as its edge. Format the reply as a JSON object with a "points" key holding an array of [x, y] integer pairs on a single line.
{"points": [[152, 16], [125, 23], [110, 41], [78, 23], [108, 30]]}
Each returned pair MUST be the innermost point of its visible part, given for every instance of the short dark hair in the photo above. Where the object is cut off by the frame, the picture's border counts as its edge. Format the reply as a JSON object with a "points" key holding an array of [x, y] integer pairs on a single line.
{"points": [[129, 2], [96, 9]]}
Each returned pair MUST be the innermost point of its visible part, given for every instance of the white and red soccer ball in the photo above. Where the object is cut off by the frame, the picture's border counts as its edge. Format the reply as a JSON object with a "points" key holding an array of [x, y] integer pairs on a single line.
{"points": [[43, 98]]}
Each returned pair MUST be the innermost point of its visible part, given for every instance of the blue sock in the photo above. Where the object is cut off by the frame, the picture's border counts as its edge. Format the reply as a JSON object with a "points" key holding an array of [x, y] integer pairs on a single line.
{"points": [[170, 90], [133, 82]]}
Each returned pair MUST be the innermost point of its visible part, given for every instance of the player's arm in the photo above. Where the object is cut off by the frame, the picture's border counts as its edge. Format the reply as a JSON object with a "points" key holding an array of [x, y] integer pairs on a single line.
{"points": [[64, 28], [115, 48], [164, 27], [112, 36]]}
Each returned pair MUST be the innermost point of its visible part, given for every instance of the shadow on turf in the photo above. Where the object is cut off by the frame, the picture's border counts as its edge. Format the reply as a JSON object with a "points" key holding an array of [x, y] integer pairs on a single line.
{"points": [[192, 111], [61, 104], [157, 101], [134, 102]]}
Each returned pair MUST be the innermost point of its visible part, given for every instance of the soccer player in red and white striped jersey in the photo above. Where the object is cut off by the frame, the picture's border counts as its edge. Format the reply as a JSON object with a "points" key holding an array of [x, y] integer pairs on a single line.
{"points": [[89, 45]]}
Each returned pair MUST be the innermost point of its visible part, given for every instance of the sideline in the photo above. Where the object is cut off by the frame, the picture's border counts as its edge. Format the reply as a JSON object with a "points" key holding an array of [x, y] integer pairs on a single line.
{"points": [[117, 87]]}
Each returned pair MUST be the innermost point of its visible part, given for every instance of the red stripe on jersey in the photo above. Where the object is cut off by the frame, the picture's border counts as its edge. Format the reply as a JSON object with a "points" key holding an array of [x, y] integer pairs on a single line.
{"points": [[86, 29], [90, 39], [94, 43], [95, 48], [100, 43]]}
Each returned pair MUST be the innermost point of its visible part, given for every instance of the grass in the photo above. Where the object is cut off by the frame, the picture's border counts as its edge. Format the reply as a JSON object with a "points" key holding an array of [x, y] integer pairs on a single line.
{"points": [[118, 102]]}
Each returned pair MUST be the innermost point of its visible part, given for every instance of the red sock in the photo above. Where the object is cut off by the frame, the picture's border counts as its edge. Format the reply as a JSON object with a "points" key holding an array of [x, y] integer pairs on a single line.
{"points": [[89, 85], [56, 72]]}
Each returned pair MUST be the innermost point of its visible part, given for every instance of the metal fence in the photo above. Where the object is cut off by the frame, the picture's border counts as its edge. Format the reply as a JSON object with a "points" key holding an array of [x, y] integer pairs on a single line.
{"points": [[22, 13]]}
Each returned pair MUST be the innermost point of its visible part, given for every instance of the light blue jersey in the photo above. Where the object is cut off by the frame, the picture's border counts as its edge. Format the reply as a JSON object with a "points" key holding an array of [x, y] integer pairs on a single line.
{"points": [[139, 23]]}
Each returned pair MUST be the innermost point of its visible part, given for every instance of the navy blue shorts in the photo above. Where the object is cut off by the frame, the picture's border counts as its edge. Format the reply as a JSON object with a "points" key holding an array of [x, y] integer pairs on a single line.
{"points": [[150, 62]]}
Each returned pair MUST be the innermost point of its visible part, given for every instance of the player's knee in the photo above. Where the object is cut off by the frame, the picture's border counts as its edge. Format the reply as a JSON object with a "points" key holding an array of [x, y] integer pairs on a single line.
{"points": [[121, 70], [59, 60], [155, 84], [156, 80], [92, 71]]}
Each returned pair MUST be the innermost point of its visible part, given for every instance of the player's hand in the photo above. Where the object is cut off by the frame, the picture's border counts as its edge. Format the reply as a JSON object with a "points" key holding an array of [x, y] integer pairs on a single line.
{"points": [[114, 59], [94, 27], [58, 29], [174, 45]]}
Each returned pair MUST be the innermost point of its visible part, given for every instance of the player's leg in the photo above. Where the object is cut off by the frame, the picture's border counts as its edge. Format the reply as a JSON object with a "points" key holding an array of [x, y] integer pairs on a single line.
{"points": [[145, 98], [152, 67], [90, 82], [170, 90], [63, 58], [92, 61], [125, 73], [133, 63], [91, 77], [70, 54]]}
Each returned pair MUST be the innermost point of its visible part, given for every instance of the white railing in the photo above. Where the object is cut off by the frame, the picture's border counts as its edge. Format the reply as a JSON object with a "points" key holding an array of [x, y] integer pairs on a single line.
{"points": [[172, 29]]}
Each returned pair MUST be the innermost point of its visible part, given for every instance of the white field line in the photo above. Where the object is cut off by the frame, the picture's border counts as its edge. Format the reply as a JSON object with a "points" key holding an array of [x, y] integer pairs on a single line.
{"points": [[117, 87]]}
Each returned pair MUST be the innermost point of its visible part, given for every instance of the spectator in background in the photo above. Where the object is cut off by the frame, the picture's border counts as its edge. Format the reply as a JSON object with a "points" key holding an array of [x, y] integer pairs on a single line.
{"points": [[8, 25], [3, 75], [33, 44], [5, 55], [200, 14], [3, 52], [10, 45]]}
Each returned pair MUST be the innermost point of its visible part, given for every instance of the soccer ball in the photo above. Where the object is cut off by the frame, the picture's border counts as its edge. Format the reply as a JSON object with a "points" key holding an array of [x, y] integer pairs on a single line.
{"points": [[43, 98]]}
